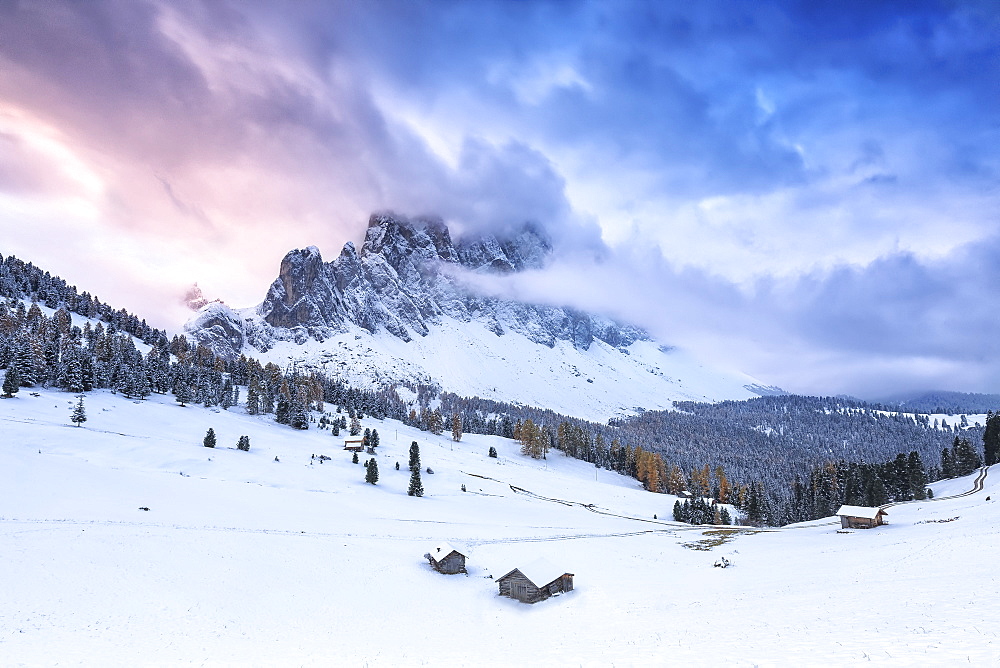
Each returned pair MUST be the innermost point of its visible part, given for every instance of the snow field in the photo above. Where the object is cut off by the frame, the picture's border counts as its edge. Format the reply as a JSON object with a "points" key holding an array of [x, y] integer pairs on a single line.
{"points": [[246, 561], [593, 384]]}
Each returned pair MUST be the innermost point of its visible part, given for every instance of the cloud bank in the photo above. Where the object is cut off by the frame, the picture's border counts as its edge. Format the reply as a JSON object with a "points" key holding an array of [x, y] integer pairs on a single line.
{"points": [[809, 190]]}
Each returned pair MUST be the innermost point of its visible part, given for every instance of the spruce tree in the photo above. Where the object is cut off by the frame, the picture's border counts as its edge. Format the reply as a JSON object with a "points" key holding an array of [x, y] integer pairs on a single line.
{"points": [[354, 459], [243, 444], [947, 463], [416, 487], [371, 476], [917, 477], [493, 452], [456, 427], [210, 438], [991, 438], [724, 516], [282, 412], [183, 393], [12, 381], [74, 376], [253, 397], [79, 415], [297, 417]]}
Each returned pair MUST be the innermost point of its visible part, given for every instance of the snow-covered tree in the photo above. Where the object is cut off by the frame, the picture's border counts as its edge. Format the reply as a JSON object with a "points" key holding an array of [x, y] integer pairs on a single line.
{"points": [[79, 414], [416, 487], [11, 381], [371, 475], [209, 441]]}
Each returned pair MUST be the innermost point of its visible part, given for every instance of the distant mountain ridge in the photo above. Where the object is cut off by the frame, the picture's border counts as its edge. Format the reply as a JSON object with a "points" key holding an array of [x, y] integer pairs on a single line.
{"points": [[943, 401]]}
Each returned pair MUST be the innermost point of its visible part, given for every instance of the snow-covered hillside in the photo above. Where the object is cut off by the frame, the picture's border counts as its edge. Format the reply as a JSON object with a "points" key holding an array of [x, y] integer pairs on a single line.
{"points": [[245, 559], [469, 360]]}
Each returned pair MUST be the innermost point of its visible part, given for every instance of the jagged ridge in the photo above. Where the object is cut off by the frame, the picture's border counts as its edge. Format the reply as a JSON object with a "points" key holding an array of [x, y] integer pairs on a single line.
{"points": [[404, 280]]}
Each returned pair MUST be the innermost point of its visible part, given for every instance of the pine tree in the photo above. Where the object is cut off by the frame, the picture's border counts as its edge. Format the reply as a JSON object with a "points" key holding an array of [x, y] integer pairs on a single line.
{"points": [[183, 393], [282, 412], [456, 427], [243, 444], [967, 459], [374, 439], [354, 459], [371, 476], [991, 438], [253, 397], [74, 376], [416, 487], [79, 415], [226, 400], [916, 477], [493, 452], [11, 381], [297, 417], [414, 457], [355, 425], [947, 463], [210, 438]]}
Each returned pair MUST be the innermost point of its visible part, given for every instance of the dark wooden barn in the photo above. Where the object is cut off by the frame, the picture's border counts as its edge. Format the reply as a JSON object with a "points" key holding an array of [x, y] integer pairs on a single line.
{"points": [[446, 559], [861, 517], [535, 582], [353, 446]]}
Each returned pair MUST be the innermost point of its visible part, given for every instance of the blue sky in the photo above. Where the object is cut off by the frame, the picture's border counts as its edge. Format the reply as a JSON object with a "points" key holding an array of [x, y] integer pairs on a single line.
{"points": [[805, 190]]}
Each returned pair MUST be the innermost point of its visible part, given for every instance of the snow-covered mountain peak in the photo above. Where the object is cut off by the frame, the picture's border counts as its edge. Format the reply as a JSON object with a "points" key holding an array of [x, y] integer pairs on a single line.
{"points": [[402, 307]]}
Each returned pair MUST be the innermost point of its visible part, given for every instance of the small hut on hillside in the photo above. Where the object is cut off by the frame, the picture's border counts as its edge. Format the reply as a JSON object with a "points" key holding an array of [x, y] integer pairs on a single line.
{"points": [[446, 559], [861, 517], [353, 445], [535, 582]]}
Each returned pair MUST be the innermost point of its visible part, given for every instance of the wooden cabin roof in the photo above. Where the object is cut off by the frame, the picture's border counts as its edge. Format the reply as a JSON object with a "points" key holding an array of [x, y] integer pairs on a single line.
{"points": [[860, 511], [540, 571], [442, 550]]}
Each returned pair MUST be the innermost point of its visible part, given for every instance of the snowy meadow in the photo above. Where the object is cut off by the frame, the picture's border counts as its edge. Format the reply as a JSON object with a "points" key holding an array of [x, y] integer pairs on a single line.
{"points": [[276, 557]]}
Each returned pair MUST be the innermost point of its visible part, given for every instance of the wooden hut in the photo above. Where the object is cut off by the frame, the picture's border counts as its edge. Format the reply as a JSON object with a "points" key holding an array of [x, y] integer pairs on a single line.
{"points": [[446, 559], [861, 517], [353, 445], [535, 582]]}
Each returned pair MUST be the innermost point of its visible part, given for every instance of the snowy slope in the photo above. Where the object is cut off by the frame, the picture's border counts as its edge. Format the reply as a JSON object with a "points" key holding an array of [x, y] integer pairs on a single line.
{"points": [[469, 360], [242, 559]]}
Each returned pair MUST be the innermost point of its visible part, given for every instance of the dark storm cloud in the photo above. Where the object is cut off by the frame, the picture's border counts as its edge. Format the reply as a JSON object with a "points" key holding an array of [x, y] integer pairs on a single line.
{"points": [[213, 124], [812, 185]]}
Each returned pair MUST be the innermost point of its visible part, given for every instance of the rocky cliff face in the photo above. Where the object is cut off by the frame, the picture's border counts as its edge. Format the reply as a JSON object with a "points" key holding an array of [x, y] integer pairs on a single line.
{"points": [[405, 280]]}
